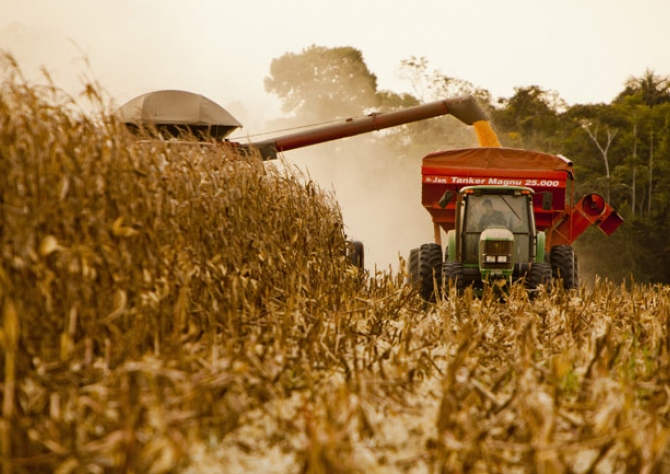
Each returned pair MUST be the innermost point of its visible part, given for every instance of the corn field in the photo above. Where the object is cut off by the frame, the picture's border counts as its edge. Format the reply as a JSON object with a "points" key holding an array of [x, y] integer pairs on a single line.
{"points": [[180, 309]]}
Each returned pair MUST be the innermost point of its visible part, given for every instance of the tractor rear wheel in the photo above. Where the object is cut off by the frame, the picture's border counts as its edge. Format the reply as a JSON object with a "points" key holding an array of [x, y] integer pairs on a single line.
{"points": [[539, 274], [564, 266], [430, 271]]}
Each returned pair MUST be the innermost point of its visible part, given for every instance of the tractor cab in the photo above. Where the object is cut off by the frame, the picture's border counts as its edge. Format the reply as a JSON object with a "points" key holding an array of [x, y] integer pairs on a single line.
{"points": [[495, 235]]}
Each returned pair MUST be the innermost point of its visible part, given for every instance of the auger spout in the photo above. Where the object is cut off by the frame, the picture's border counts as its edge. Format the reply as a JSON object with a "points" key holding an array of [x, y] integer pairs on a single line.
{"points": [[465, 109]]}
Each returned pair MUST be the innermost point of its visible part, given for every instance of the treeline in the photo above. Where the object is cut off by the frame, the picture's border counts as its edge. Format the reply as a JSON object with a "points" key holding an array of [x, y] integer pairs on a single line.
{"points": [[620, 149]]}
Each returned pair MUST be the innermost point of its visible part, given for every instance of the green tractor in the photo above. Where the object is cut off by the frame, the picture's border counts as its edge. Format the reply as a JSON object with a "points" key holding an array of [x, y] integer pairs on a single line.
{"points": [[494, 242], [508, 214]]}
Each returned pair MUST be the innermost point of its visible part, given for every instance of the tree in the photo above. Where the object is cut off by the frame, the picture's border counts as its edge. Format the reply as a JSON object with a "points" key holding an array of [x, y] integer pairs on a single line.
{"points": [[322, 83], [432, 85], [651, 88], [530, 119], [646, 100], [596, 142], [603, 147], [655, 135]]}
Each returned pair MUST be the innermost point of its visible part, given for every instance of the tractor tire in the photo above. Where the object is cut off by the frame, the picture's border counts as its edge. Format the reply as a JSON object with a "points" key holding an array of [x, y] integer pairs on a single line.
{"points": [[430, 271], [452, 274], [564, 266], [539, 274]]}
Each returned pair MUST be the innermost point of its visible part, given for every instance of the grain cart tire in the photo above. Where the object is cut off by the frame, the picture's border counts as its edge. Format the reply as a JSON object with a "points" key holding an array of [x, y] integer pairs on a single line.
{"points": [[539, 274], [430, 271], [413, 268], [564, 266], [452, 274]]}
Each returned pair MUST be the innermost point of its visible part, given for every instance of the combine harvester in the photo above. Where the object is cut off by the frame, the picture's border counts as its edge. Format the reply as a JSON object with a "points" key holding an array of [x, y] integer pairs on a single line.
{"points": [[507, 213]]}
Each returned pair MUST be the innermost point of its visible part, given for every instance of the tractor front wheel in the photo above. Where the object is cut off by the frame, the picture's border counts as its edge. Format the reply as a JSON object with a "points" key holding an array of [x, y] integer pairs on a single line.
{"points": [[539, 274], [452, 274]]}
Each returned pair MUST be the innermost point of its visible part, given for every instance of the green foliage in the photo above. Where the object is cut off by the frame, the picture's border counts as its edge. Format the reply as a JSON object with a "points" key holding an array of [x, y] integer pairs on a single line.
{"points": [[620, 150], [529, 119], [321, 83], [418, 139], [650, 88]]}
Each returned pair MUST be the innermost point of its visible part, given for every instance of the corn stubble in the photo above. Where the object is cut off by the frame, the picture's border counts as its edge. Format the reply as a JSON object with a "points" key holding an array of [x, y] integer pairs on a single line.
{"points": [[179, 309]]}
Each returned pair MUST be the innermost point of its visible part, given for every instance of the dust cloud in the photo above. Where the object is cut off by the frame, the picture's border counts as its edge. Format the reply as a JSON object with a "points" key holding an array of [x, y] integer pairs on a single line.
{"points": [[380, 199], [377, 186]]}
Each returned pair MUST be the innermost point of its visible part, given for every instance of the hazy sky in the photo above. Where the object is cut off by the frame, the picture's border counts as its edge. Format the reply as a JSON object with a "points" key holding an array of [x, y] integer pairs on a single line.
{"points": [[583, 49]]}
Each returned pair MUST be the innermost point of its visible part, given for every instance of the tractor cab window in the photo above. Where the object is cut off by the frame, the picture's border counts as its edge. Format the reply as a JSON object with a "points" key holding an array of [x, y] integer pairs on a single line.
{"points": [[501, 211]]}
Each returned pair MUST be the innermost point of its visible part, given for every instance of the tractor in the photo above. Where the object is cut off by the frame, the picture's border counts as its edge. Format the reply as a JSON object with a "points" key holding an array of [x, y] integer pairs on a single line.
{"points": [[508, 215]]}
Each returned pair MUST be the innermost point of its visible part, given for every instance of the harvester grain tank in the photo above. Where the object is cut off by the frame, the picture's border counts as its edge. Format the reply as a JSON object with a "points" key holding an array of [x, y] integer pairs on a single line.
{"points": [[175, 113]]}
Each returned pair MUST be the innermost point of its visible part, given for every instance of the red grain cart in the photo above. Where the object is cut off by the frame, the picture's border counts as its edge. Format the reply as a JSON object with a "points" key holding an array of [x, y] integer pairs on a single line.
{"points": [[534, 191]]}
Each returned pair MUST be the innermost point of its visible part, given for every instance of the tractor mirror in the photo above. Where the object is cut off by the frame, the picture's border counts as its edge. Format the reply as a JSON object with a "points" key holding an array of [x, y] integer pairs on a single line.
{"points": [[547, 201], [446, 197]]}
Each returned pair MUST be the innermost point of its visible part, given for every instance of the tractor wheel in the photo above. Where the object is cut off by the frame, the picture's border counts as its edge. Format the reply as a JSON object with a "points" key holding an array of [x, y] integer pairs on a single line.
{"points": [[564, 266], [452, 274], [430, 271], [539, 274]]}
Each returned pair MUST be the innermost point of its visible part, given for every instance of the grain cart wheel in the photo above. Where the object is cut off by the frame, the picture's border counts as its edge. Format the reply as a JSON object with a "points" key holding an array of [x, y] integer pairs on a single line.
{"points": [[564, 266], [430, 271], [452, 274], [413, 268], [539, 274]]}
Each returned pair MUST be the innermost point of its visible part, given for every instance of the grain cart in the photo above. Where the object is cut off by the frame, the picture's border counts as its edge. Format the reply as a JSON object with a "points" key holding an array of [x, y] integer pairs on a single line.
{"points": [[507, 214]]}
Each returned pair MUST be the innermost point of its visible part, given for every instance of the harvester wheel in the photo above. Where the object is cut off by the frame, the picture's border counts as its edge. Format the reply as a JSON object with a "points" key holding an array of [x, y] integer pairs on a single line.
{"points": [[564, 266], [356, 254], [452, 273], [539, 274], [430, 271]]}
